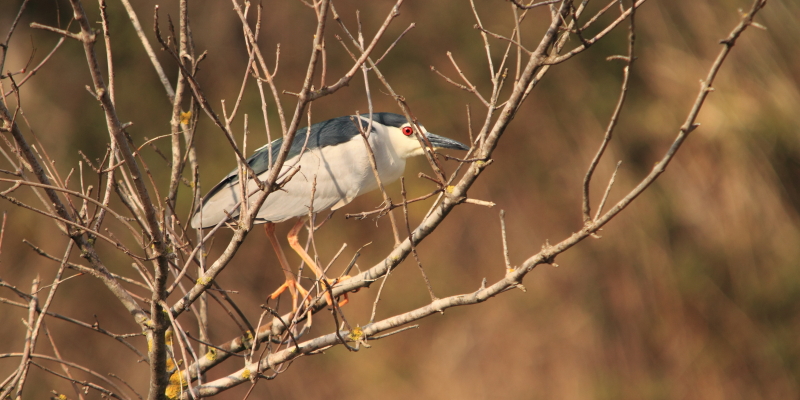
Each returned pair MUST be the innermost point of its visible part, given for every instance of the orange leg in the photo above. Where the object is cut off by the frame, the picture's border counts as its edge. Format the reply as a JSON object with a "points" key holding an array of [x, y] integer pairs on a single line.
{"points": [[295, 244], [290, 283]]}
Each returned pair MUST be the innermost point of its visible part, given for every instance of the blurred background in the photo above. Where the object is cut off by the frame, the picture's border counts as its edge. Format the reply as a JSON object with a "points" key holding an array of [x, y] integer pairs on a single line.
{"points": [[691, 293]]}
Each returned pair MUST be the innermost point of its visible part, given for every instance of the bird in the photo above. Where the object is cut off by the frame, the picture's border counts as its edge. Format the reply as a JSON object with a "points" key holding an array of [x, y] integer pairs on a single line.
{"points": [[330, 159]]}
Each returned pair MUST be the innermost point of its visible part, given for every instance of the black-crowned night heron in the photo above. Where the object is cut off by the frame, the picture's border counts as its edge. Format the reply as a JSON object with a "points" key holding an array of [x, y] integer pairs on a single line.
{"points": [[333, 162]]}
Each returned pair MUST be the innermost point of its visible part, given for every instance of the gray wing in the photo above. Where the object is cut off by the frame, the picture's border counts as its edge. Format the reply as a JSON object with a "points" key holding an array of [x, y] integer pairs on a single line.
{"points": [[327, 133]]}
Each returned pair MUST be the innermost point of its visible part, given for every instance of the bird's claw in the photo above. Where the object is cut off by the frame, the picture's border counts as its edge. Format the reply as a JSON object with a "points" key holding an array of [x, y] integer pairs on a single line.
{"points": [[331, 283], [298, 291], [294, 289]]}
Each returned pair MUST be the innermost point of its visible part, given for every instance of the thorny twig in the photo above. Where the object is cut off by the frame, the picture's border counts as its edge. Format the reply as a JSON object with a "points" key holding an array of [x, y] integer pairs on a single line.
{"points": [[612, 123]]}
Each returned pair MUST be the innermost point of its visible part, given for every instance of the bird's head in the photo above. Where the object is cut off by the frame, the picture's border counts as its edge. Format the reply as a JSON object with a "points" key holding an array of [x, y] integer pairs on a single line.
{"points": [[405, 142]]}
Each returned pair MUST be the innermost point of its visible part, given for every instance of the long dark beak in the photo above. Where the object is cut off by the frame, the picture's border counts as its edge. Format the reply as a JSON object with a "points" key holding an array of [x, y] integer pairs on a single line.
{"points": [[441, 142]]}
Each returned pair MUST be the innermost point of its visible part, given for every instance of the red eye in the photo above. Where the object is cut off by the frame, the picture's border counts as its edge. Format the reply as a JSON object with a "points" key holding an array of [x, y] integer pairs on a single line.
{"points": [[407, 130]]}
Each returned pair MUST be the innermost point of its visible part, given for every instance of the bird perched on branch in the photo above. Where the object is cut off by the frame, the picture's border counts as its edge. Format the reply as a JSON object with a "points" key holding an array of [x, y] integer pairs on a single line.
{"points": [[331, 160]]}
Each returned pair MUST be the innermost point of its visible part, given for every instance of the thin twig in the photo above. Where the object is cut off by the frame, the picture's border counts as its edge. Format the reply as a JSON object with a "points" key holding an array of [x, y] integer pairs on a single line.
{"points": [[411, 239], [589, 42], [62, 32], [64, 367], [505, 240], [608, 190], [30, 342], [501, 37], [612, 123], [528, 7], [149, 49], [373, 163], [410, 26], [394, 332]]}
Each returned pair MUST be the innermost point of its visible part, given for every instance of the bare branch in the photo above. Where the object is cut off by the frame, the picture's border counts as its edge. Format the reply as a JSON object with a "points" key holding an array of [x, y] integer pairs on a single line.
{"points": [[612, 123], [61, 32], [149, 49], [588, 42], [411, 239], [533, 5], [505, 240]]}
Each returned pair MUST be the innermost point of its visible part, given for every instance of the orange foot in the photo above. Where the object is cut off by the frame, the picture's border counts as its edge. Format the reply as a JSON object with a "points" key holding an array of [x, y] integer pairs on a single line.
{"points": [[294, 288], [298, 291], [332, 283]]}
